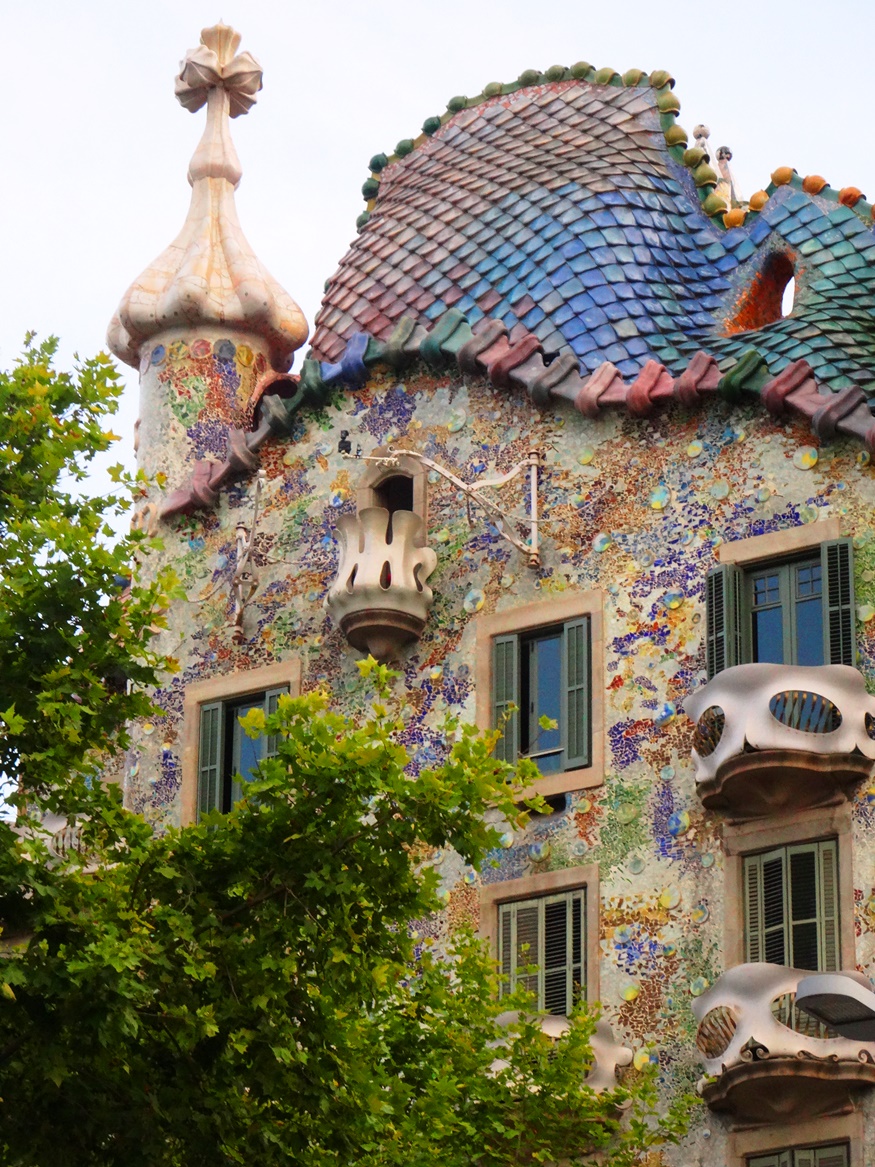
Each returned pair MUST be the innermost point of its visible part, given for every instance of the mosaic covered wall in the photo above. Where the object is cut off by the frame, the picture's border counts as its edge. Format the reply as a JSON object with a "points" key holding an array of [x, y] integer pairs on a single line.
{"points": [[634, 508]]}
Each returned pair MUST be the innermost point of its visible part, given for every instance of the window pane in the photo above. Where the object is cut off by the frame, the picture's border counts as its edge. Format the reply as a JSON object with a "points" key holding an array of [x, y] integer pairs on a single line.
{"points": [[809, 631], [808, 580], [247, 750], [768, 636], [545, 700], [766, 590]]}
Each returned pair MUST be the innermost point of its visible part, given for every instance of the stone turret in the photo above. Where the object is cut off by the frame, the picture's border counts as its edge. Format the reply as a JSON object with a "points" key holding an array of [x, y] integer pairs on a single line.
{"points": [[205, 323]]}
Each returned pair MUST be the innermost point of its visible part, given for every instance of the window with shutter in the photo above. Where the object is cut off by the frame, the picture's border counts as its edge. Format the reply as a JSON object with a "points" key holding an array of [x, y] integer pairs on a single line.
{"points": [[791, 906], [798, 610], [838, 571], [227, 757], [210, 756], [542, 948], [723, 622], [505, 696], [544, 674], [833, 1156]]}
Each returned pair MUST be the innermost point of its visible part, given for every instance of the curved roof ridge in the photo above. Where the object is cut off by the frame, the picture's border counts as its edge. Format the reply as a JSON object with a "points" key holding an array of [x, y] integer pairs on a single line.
{"points": [[694, 158], [659, 80]]}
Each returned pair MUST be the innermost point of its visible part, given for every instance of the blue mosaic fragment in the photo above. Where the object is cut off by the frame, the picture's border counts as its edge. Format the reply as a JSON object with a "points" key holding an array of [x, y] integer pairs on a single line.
{"points": [[591, 279], [583, 301]]}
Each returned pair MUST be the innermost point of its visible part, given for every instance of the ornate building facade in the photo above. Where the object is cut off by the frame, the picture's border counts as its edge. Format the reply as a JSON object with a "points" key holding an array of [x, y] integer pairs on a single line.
{"points": [[560, 444]]}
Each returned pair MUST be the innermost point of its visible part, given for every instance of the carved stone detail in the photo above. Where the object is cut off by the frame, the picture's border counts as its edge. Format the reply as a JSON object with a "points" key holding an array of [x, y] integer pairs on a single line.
{"points": [[380, 598], [210, 275]]}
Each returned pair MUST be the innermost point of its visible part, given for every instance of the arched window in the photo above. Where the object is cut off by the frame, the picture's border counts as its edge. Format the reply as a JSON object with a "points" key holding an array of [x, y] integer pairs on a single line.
{"points": [[401, 487]]}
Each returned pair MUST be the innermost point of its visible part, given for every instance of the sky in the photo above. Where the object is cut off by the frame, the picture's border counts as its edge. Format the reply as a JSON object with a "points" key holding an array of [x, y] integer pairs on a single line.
{"points": [[97, 148]]}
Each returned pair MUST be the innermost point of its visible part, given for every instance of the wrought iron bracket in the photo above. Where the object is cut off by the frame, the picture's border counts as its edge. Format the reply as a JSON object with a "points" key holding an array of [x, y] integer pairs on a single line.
{"points": [[473, 492]]}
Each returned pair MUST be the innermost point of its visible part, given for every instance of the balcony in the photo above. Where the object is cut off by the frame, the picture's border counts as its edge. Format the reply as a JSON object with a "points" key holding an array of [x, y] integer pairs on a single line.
{"points": [[765, 1060], [380, 598], [608, 1055], [781, 738]]}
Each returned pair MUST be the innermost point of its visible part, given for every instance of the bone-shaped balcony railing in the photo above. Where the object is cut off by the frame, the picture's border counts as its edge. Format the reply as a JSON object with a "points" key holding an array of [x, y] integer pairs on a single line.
{"points": [[764, 1058], [772, 738]]}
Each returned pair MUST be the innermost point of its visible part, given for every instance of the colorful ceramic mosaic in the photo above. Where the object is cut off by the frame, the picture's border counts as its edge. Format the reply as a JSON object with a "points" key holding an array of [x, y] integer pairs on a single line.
{"points": [[544, 252]]}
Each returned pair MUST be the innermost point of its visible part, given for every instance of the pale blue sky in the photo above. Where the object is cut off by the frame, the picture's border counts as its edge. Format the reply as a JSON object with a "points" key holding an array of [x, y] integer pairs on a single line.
{"points": [[96, 147]]}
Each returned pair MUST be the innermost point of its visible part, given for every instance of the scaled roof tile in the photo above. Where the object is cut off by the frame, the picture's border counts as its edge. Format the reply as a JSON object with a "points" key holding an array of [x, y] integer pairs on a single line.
{"points": [[560, 210]]}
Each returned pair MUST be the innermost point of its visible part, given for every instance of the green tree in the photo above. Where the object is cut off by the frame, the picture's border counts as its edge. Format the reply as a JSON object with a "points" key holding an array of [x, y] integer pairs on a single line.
{"points": [[249, 989], [69, 640]]}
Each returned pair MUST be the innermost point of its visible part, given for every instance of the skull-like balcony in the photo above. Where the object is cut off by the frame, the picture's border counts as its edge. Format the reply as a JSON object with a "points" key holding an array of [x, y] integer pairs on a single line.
{"points": [[765, 1060], [609, 1055], [776, 738], [380, 597]]}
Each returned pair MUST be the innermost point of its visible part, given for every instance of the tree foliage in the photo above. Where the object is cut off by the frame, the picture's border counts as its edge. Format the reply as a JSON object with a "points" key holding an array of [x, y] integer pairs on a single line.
{"points": [[253, 988], [68, 638]]}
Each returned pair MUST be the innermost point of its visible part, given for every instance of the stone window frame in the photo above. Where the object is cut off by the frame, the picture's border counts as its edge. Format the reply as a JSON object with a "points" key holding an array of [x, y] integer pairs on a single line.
{"points": [[226, 687], [529, 618], [779, 544], [774, 551], [546, 883], [819, 1132], [805, 826]]}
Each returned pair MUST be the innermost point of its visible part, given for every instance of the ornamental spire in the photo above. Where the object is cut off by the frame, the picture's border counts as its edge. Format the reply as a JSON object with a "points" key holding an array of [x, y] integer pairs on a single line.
{"points": [[209, 275]]}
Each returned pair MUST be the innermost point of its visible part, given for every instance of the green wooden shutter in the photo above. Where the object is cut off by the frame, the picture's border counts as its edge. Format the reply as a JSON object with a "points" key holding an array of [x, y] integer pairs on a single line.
{"points": [[753, 914], [829, 1157], [576, 693], [548, 932], [837, 566], [835, 1156], [209, 757], [271, 701], [828, 907], [724, 624], [786, 890], [505, 692], [765, 907], [528, 948], [505, 947]]}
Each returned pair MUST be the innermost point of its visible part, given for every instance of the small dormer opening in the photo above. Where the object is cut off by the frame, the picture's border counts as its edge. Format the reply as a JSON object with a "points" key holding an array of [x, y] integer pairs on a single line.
{"points": [[768, 298], [788, 298], [395, 493]]}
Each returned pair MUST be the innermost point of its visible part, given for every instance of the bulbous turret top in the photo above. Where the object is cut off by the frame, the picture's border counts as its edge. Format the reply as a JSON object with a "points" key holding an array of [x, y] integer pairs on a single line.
{"points": [[209, 275]]}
